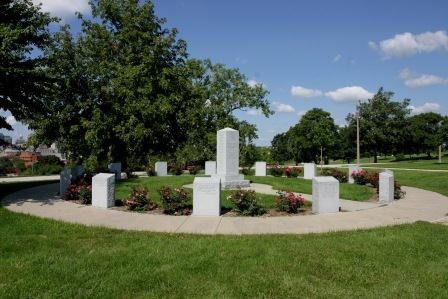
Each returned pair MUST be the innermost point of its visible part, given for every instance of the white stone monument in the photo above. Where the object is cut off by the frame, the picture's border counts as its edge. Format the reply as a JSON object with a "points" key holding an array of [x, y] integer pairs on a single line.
{"points": [[325, 195], [309, 171], [388, 171], [260, 168], [65, 179], [386, 186], [116, 169], [206, 196], [103, 190], [351, 169], [228, 159], [161, 168], [210, 167]]}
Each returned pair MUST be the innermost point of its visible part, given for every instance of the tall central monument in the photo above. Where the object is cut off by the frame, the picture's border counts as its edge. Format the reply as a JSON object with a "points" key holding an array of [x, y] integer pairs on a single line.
{"points": [[228, 159]]}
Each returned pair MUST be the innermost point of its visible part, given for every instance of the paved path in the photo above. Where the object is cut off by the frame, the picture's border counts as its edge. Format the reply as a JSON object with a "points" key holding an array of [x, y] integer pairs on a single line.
{"points": [[14, 179], [418, 205]]}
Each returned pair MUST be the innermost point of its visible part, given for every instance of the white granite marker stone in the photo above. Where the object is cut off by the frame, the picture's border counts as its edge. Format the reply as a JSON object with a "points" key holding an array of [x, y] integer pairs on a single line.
{"points": [[206, 196], [352, 168], [325, 195], [309, 171], [388, 171], [103, 190], [116, 169], [65, 179], [386, 186], [161, 168], [210, 167], [228, 159], [260, 168]]}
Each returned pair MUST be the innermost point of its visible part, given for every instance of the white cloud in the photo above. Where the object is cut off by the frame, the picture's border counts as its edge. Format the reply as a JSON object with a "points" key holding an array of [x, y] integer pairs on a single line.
{"points": [[373, 45], [11, 120], [64, 8], [302, 92], [427, 107], [420, 80], [349, 94], [408, 44], [280, 107], [337, 58], [254, 112]]}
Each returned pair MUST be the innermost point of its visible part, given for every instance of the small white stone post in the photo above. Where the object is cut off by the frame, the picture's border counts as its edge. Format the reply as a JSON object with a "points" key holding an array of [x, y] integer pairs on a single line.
{"points": [[325, 195], [206, 196], [351, 169], [210, 167], [65, 179], [161, 168], [260, 168], [309, 171], [386, 186], [115, 168], [103, 190]]}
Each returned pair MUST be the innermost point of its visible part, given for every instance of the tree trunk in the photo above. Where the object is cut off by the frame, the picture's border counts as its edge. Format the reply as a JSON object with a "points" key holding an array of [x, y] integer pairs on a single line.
{"points": [[375, 158]]}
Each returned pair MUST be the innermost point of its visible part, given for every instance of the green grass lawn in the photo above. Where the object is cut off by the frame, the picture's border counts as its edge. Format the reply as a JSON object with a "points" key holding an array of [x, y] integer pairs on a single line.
{"points": [[47, 258], [433, 165], [347, 191]]}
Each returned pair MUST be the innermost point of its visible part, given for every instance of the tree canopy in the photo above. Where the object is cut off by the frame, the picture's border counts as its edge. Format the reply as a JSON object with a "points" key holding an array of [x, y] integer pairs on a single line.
{"points": [[24, 35]]}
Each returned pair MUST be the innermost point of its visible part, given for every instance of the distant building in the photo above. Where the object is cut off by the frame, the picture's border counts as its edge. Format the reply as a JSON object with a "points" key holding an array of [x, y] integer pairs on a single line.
{"points": [[10, 153], [5, 138], [21, 142], [29, 158], [53, 150]]}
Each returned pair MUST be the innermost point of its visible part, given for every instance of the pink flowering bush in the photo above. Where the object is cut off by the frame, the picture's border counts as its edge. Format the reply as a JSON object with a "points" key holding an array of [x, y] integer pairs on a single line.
{"points": [[292, 171], [174, 201], [79, 191], [139, 200], [360, 177], [289, 202], [246, 203]]}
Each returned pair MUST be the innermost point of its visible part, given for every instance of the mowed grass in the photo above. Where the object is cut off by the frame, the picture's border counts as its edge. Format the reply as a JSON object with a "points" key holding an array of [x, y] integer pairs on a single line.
{"points": [[431, 165], [46, 258], [347, 191]]}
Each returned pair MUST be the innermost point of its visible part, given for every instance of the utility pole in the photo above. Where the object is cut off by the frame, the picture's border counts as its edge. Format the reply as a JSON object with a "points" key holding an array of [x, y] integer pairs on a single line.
{"points": [[440, 154], [358, 148]]}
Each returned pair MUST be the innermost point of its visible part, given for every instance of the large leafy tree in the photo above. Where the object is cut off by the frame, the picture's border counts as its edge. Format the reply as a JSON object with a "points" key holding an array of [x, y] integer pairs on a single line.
{"points": [[424, 132], [125, 90], [382, 124], [24, 36], [314, 137]]}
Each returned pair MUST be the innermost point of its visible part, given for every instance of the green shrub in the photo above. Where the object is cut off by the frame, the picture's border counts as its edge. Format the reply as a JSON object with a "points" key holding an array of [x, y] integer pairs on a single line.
{"points": [[85, 194], [340, 175], [246, 203], [193, 170], [174, 201], [150, 170], [292, 172], [276, 171], [176, 169], [139, 200], [247, 171], [289, 202], [6, 166]]}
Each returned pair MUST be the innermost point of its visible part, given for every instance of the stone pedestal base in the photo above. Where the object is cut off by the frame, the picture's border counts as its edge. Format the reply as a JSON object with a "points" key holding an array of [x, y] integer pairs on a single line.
{"points": [[325, 195], [232, 182]]}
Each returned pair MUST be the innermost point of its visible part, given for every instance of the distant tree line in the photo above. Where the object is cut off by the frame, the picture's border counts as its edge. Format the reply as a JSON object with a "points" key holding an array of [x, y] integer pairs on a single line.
{"points": [[387, 127]]}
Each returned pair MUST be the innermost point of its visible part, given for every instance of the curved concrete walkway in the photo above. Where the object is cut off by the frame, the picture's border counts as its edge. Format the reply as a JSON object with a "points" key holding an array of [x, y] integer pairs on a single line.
{"points": [[42, 201]]}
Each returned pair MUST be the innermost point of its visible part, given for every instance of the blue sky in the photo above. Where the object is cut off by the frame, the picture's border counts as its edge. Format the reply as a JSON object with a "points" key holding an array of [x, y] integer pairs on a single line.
{"points": [[325, 54]]}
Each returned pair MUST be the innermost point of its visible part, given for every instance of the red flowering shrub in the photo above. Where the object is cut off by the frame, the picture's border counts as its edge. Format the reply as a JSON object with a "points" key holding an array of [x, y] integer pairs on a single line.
{"points": [[79, 191], [373, 178], [360, 177], [292, 172], [139, 200], [193, 170], [174, 201], [289, 202]]}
